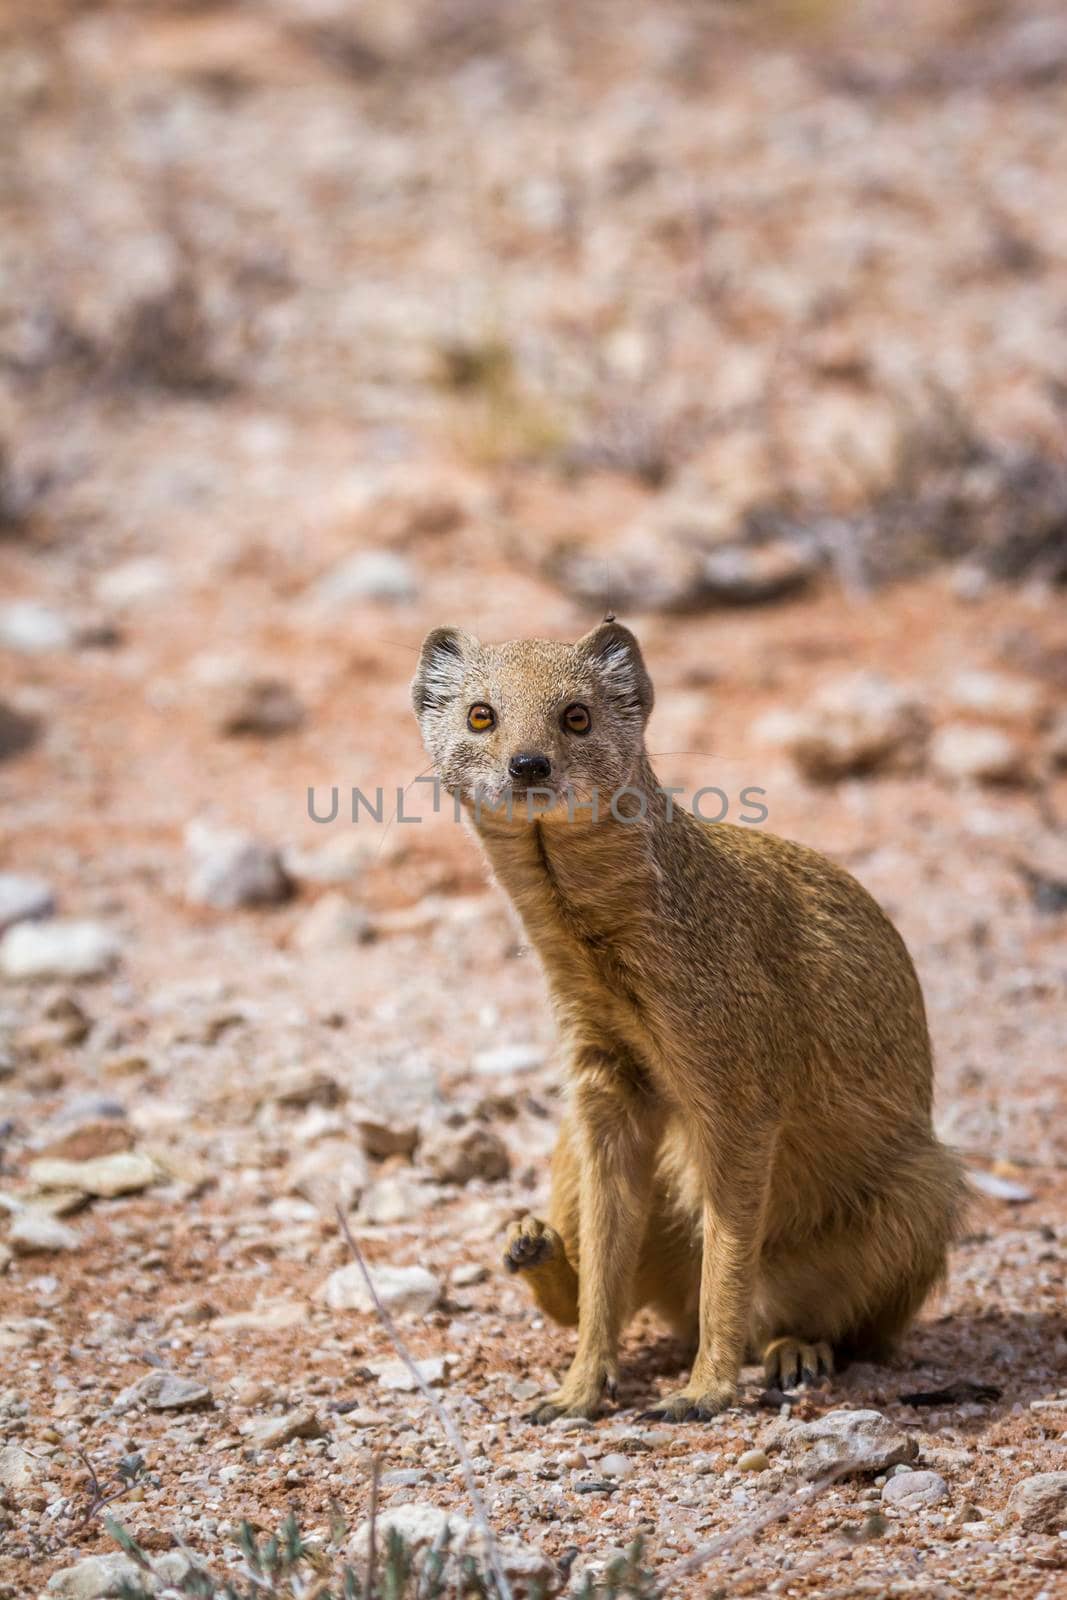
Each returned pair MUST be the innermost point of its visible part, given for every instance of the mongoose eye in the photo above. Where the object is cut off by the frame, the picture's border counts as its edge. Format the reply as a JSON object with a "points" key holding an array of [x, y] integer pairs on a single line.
{"points": [[576, 719], [481, 718]]}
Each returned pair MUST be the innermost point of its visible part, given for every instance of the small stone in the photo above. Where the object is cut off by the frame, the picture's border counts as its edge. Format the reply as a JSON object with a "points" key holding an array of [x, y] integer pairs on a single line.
{"points": [[747, 574], [994, 694], [191, 1313], [458, 1155], [334, 922], [297, 1087], [507, 1058], [59, 949], [998, 1188], [105, 1136], [866, 1440], [276, 1314], [98, 1577], [421, 1526], [392, 1199], [258, 707], [854, 726], [753, 1461], [368, 575], [384, 1135], [400, 1289], [912, 1490], [468, 1274], [126, 1172], [966, 754], [23, 899], [1042, 862], [145, 578], [273, 1432], [332, 1173], [33, 628], [231, 869], [164, 1391], [1040, 1503], [616, 1466], [398, 1376], [573, 1460], [252, 1391], [522, 1389], [19, 1468], [33, 1234]]}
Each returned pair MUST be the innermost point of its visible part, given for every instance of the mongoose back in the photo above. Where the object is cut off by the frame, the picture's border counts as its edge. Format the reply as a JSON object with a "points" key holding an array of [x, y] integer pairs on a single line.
{"points": [[748, 1144]]}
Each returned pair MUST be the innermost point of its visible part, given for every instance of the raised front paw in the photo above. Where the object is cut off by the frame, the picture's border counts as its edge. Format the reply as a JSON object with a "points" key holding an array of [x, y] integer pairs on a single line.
{"points": [[531, 1243], [694, 1404], [578, 1396]]}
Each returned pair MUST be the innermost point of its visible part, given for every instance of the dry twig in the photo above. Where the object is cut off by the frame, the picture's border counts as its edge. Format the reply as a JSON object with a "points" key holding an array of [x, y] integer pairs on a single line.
{"points": [[783, 1505], [441, 1412]]}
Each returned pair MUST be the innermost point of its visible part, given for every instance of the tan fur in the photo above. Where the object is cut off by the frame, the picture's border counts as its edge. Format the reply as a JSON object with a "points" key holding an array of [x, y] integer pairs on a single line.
{"points": [[748, 1145]]}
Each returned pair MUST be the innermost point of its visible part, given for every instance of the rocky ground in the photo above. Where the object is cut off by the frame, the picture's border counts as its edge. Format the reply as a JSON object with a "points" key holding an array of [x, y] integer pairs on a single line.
{"points": [[314, 335]]}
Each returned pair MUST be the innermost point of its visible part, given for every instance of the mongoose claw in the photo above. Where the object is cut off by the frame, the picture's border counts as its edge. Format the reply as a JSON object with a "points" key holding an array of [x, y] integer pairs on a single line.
{"points": [[557, 1406], [686, 1407], [788, 1362], [530, 1243], [584, 1402]]}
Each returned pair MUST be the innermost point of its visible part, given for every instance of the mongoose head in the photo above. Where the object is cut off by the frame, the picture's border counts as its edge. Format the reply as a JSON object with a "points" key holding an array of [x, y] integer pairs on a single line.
{"points": [[533, 714]]}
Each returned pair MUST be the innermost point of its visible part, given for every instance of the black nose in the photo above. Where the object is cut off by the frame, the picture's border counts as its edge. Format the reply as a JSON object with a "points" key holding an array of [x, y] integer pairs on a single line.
{"points": [[529, 766]]}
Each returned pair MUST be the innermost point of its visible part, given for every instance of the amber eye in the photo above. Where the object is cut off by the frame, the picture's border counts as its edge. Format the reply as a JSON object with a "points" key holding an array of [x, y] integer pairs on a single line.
{"points": [[576, 719], [481, 718]]}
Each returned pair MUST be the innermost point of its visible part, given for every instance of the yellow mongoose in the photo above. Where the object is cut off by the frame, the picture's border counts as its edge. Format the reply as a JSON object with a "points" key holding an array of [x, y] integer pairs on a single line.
{"points": [[748, 1146]]}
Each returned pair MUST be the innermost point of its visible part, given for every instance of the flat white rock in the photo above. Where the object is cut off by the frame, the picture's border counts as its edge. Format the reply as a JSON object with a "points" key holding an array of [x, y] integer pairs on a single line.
{"points": [[864, 1440], [98, 1577], [400, 1289], [913, 1490], [420, 1526], [34, 1234], [124, 1172], [397, 1375], [1040, 1502], [60, 949], [31, 628]]}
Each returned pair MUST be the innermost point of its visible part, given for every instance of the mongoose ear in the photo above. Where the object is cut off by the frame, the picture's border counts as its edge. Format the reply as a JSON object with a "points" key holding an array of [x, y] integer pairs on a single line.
{"points": [[442, 658], [616, 656]]}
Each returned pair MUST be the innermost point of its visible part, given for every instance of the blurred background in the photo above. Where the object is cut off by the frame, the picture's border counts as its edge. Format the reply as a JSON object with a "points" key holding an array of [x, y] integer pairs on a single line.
{"points": [[324, 323]]}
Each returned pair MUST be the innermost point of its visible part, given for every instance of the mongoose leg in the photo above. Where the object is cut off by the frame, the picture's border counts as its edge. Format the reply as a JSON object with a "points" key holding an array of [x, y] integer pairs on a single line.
{"points": [[616, 1131], [788, 1362], [535, 1249], [733, 1229]]}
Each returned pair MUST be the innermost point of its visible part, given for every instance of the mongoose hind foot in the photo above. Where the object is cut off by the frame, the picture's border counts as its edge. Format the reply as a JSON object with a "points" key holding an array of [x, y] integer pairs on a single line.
{"points": [[693, 1404], [580, 1394], [788, 1362]]}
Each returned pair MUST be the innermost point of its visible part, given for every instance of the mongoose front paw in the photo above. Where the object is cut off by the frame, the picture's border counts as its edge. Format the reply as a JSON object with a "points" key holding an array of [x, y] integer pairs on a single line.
{"points": [[787, 1362], [530, 1243], [693, 1405], [579, 1398]]}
